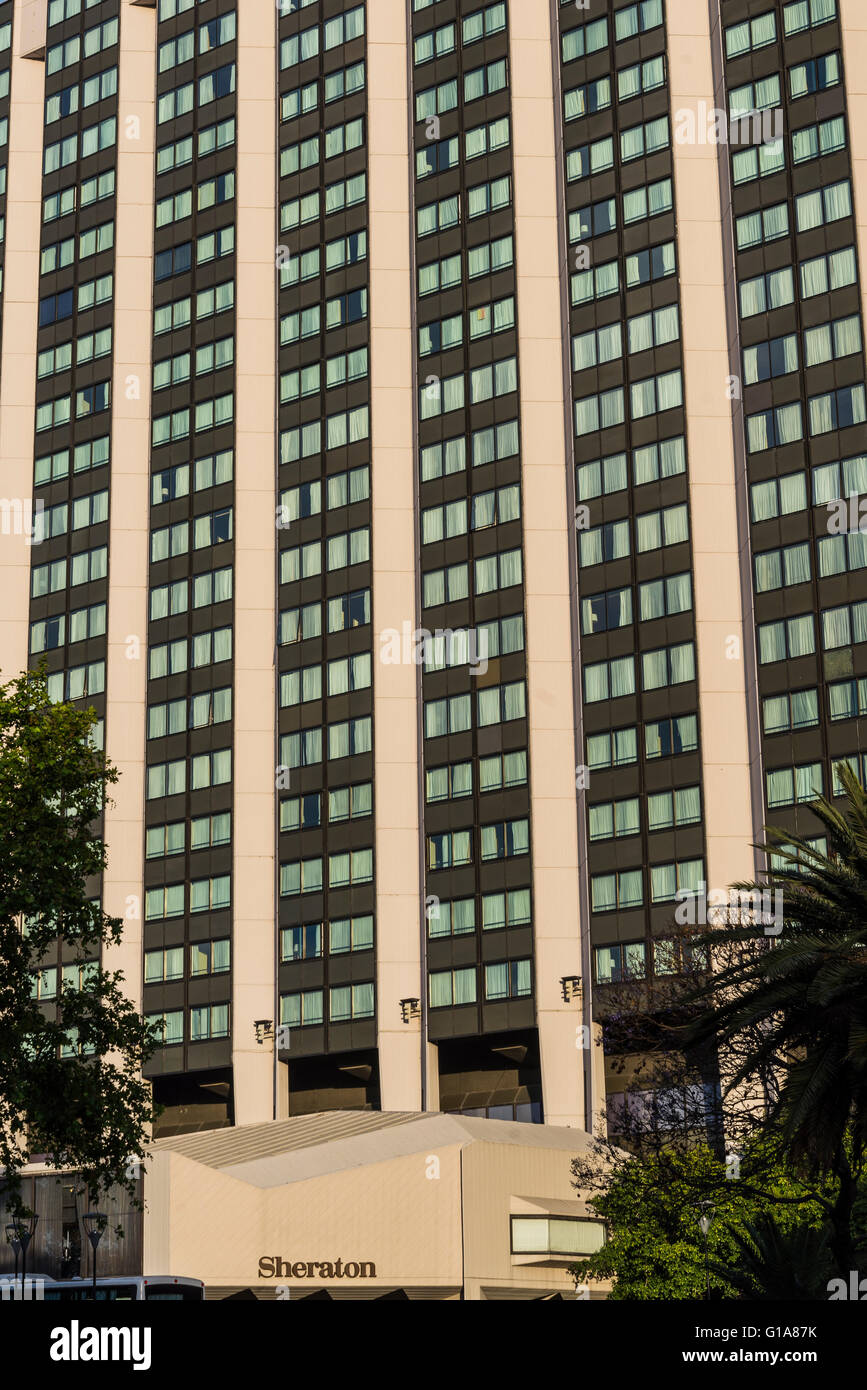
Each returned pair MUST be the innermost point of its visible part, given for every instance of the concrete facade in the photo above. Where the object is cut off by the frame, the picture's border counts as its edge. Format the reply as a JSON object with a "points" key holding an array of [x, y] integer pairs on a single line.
{"points": [[301, 352]]}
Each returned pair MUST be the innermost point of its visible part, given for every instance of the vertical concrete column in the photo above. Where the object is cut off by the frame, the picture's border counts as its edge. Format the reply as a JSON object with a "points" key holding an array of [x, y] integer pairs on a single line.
{"points": [[548, 543], [853, 23], [721, 562], [395, 732], [253, 765]]}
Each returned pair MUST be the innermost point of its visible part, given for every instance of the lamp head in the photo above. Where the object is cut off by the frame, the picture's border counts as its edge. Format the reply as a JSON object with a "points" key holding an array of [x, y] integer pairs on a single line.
{"points": [[95, 1223], [24, 1228], [706, 1219]]}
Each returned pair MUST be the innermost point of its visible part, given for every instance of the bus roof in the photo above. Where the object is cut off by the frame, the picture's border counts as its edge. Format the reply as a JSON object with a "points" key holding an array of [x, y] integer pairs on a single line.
{"points": [[119, 1279]]}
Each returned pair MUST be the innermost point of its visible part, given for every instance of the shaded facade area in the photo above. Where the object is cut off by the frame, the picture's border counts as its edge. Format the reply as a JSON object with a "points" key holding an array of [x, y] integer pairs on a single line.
{"points": [[59, 1247]]}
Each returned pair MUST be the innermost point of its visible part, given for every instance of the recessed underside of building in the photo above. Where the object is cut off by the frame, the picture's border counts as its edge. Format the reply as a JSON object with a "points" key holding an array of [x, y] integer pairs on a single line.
{"points": [[363, 1204]]}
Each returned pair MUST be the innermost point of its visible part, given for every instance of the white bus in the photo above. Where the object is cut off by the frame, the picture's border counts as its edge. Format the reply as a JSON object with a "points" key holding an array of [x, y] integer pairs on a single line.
{"points": [[151, 1288]]}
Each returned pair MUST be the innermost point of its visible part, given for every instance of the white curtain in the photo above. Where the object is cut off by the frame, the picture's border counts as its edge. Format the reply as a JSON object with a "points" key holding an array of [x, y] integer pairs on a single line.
{"points": [[767, 90], [666, 325], [640, 334], [648, 531], [676, 525], [793, 493], [634, 206], [837, 201], [601, 821], [654, 670], [745, 165], [752, 297], [768, 571], [679, 593], [362, 1000], [603, 892], [682, 658], [645, 464], [772, 157], [519, 836], [607, 279], [628, 83], [630, 890], [510, 568], [575, 103], [856, 543], [759, 431], [584, 348], [814, 277], [631, 143], [587, 415], [465, 986], [659, 196], [602, 155], [817, 345], [781, 288], [627, 817], [789, 425], [506, 376], [764, 29], [687, 804], [847, 336], [854, 475], [842, 700], [841, 265], [514, 701], [763, 497], [652, 601], [590, 545], [808, 209], [475, 142], [578, 164], [775, 221], [801, 635], [622, 677], [822, 414], [805, 708], [509, 503], [643, 398], [670, 390], [663, 886], [836, 630], [659, 811]]}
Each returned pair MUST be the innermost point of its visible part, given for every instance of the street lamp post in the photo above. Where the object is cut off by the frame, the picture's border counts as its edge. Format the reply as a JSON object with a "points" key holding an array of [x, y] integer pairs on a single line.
{"points": [[704, 1222], [12, 1239], [94, 1224], [24, 1233]]}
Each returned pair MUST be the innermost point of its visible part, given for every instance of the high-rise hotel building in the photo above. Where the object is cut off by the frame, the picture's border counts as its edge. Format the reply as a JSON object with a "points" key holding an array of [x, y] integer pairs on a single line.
{"points": [[328, 325]]}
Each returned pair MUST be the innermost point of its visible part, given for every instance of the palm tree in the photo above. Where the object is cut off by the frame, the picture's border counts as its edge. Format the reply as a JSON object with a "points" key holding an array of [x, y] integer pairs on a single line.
{"points": [[775, 1264], [803, 997]]}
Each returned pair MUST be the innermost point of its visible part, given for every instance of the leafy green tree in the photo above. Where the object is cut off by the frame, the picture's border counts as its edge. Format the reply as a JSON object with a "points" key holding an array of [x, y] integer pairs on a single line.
{"points": [[805, 991], [87, 1112], [655, 1247]]}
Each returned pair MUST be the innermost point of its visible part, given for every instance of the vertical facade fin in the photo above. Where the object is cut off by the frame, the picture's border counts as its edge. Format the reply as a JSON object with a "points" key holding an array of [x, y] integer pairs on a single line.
{"points": [[396, 750], [547, 579], [254, 808]]}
